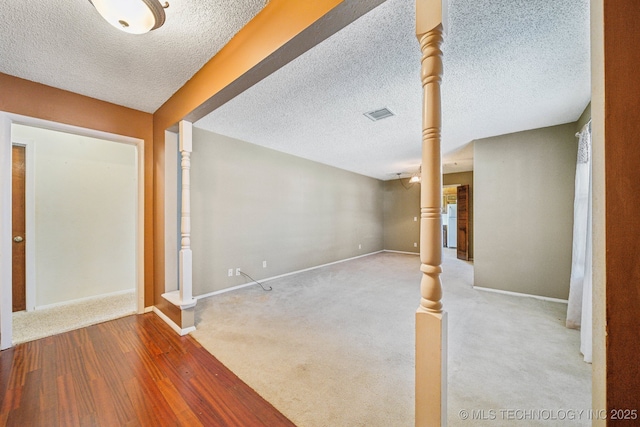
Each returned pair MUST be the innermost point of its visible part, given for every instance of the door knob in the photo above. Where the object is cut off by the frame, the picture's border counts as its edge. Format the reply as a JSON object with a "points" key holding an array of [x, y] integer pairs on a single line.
{"points": [[18, 239]]}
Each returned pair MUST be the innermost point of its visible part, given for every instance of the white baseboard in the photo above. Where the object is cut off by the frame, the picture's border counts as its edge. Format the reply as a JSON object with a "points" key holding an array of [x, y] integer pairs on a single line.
{"points": [[244, 285], [172, 324], [148, 309], [85, 299], [233, 288], [518, 294], [401, 252]]}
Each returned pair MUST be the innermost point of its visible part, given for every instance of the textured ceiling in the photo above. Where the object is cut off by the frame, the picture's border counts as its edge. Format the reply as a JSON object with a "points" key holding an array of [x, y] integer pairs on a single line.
{"points": [[67, 44], [509, 66]]}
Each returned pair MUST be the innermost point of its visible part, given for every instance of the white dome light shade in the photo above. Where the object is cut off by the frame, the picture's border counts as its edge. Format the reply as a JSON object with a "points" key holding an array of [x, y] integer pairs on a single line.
{"points": [[132, 16]]}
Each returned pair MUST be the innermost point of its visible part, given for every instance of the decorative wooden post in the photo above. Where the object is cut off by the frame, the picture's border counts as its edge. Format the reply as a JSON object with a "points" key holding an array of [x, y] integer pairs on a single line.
{"points": [[186, 263], [183, 298], [431, 320]]}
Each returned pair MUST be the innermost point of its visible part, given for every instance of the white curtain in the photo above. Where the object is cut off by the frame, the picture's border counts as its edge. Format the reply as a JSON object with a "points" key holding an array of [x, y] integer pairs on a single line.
{"points": [[580, 287]]}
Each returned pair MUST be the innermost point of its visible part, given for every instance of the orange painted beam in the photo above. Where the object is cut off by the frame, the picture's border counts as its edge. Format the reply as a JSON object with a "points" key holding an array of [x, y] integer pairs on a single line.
{"points": [[277, 24], [622, 198], [32, 99]]}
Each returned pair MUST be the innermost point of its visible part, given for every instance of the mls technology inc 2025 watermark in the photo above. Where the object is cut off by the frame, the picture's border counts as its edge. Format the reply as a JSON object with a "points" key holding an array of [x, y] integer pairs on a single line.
{"points": [[547, 414]]}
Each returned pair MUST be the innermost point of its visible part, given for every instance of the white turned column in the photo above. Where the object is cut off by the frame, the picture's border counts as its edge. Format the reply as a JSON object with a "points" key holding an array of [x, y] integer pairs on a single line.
{"points": [[186, 263], [431, 320], [183, 298]]}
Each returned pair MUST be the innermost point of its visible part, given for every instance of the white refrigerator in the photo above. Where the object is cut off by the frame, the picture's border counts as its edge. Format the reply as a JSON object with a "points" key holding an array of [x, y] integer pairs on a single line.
{"points": [[452, 225]]}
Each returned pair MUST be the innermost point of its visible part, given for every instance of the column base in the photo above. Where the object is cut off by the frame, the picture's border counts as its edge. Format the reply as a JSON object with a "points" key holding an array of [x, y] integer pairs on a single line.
{"points": [[189, 327], [175, 299], [431, 369]]}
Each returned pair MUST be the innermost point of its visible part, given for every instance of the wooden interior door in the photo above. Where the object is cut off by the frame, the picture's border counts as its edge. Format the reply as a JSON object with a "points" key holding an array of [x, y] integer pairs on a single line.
{"points": [[18, 214], [463, 222]]}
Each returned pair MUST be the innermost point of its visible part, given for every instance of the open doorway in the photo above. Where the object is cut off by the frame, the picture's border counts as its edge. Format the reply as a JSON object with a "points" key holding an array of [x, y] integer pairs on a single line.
{"points": [[83, 229], [82, 203], [457, 200]]}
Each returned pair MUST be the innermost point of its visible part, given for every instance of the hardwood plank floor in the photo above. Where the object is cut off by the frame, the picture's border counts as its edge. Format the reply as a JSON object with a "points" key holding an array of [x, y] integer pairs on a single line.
{"points": [[133, 371]]}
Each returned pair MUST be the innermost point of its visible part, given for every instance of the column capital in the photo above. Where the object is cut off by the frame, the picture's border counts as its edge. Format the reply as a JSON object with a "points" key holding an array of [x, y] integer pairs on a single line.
{"points": [[430, 14], [185, 136]]}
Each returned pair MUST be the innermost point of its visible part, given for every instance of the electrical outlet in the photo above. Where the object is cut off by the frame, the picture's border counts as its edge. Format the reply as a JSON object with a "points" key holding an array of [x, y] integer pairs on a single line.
{"points": [[415, 218], [415, 245], [238, 271], [264, 264], [230, 272], [360, 246]]}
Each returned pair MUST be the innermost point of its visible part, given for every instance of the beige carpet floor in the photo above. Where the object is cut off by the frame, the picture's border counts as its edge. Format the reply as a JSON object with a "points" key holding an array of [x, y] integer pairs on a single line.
{"points": [[32, 325], [335, 347]]}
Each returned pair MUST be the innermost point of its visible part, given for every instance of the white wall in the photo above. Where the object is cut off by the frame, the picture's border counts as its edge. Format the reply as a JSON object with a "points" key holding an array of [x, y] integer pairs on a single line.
{"points": [[523, 209], [85, 215]]}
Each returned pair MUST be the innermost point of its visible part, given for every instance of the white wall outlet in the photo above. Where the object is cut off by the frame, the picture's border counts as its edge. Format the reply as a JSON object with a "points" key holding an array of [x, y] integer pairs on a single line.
{"points": [[415, 218], [415, 245], [230, 272], [360, 246], [264, 264], [238, 271]]}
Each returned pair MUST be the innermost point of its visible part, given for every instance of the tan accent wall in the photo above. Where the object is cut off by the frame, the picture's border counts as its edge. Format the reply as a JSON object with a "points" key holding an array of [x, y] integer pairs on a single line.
{"points": [[524, 186], [252, 204], [401, 216], [463, 178], [31, 99]]}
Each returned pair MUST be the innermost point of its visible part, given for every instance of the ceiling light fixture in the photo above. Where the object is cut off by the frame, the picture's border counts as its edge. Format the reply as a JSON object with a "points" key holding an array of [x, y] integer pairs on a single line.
{"points": [[415, 178], [132, 16]]}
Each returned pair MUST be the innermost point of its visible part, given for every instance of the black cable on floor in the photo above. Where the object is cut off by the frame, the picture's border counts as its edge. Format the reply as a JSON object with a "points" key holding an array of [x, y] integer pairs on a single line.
{"points": [[251, 278]]}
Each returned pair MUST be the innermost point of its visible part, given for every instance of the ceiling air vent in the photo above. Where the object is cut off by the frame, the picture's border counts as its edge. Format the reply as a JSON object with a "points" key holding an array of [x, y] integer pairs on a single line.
{"points": [[380, 114]]}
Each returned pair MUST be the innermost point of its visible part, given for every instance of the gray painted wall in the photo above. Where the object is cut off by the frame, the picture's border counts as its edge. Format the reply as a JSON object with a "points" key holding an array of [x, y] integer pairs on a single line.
{"points": [[523, 210], [401, 209], [251, 204]]}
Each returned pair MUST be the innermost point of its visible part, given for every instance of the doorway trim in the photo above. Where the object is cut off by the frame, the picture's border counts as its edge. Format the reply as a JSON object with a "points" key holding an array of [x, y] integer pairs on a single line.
{"points": [[6, 120]]}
